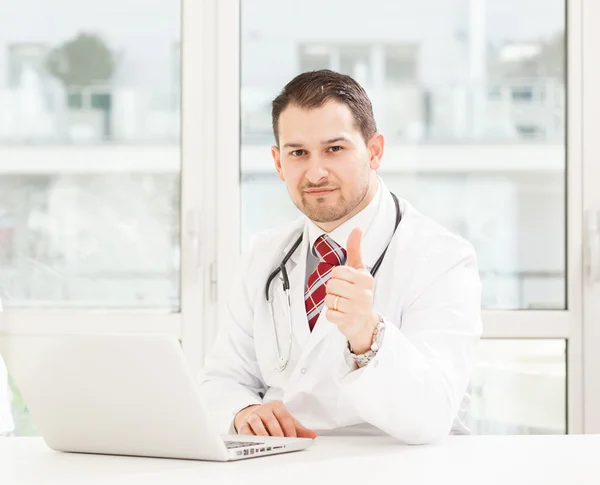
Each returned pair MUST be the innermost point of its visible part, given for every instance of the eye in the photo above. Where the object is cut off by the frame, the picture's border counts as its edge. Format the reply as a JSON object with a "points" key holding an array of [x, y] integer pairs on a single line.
{"points": [[335, 148], [297, 153]]}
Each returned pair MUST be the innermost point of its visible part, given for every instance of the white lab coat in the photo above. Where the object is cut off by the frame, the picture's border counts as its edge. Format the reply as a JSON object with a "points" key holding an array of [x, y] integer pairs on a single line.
{"points": [[416, 389]]}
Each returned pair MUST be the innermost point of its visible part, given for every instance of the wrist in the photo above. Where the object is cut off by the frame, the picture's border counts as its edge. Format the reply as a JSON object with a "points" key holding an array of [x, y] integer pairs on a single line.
{"points": [[361, 359], [241, 415], [362, 342]]}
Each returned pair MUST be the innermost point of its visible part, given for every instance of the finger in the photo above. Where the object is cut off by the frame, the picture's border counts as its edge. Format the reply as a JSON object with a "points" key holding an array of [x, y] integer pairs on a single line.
{"points": [[246, 429], [360, 277], [346, 273], [286, 422], [340, 288], [272, 425], [335, 317], [258, 428], [302, 431], [354, 256], [342, 305]]}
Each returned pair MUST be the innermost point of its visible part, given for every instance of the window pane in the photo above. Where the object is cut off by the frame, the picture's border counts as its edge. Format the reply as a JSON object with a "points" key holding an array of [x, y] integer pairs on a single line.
{"points": [[90, 154], [471, 101], [519, 387]]}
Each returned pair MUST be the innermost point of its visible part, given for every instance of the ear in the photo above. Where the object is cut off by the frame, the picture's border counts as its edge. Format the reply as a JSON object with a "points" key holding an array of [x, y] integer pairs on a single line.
{"points": [[275, 152], [375, 147]]}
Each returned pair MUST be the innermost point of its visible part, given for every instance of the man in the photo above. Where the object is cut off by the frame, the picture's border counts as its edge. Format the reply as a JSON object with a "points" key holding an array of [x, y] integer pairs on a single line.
{"points": [[348, 352]]}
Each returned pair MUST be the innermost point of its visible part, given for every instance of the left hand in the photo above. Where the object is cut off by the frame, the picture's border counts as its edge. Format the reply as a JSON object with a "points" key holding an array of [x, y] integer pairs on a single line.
{"points": [[352, 286]]}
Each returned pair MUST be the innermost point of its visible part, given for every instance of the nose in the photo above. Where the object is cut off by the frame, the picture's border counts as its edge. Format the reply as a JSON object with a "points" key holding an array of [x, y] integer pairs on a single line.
{"points": [[316, 171]]}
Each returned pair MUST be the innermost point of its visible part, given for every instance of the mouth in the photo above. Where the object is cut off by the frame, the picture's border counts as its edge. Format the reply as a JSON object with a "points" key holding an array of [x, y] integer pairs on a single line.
{"points": [[319, 192]]}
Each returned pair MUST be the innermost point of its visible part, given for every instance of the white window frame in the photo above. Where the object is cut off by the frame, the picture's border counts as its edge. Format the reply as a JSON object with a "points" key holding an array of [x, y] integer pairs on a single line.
{"points": [[583, 410], [591, 205]]}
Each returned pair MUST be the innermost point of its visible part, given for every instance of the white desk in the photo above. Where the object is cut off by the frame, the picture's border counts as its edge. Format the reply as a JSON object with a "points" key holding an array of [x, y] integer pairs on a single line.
{"points": [[464, 460]]}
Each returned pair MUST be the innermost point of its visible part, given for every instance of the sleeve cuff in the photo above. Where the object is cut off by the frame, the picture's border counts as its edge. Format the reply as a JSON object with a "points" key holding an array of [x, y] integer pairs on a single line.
{"points": [[224, 403]]}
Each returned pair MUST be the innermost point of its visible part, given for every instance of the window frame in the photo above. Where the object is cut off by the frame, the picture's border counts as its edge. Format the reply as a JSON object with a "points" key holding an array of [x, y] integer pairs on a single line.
{"points": [[588, 84]]}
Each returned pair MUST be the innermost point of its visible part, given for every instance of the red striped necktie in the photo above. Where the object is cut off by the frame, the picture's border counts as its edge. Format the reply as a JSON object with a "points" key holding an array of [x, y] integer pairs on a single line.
{"points": [[330, 255]]}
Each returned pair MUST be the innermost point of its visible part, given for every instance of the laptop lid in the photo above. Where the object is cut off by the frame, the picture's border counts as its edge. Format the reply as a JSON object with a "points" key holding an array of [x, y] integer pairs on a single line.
{"points": [[113, 394]]}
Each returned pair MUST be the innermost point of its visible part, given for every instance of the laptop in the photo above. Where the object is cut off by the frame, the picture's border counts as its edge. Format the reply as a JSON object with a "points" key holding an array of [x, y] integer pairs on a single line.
{"points": [[122, 395]]}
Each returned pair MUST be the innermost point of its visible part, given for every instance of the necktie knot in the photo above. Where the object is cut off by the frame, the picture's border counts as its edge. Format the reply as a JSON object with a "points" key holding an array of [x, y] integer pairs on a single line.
{"points": [[329, 251]]}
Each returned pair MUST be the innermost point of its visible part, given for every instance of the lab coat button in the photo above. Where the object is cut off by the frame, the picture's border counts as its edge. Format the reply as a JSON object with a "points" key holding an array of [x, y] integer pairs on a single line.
{"points": [[303, 370]]}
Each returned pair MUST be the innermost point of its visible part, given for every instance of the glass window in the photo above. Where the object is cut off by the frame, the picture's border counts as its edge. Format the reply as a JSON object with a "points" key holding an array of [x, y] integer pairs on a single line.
{"points": [[355, 61], [401, 64], [519, 387], [472, 103], [90, 154], [314, 57]]}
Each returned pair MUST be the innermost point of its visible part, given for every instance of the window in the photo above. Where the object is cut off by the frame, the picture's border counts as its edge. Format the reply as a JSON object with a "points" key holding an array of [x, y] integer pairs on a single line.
{"points": [[314, 57], [90, 199], [355, 60], [26, 63], [401, 64], [97, 225], [472, 147], [92, 220], [475, 138], [519, 387]]}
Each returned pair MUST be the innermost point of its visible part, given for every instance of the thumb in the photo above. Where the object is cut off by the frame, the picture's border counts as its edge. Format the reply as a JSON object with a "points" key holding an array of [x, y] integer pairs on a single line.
{"points": [[354, 256]]}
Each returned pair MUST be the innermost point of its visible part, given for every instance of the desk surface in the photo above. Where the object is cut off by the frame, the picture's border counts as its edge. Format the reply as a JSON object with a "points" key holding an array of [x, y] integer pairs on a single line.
{"points": [[481, 460]]}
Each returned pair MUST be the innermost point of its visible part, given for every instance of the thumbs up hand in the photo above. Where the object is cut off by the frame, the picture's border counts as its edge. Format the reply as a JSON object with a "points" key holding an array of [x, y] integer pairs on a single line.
{"points": [[350, 297]]}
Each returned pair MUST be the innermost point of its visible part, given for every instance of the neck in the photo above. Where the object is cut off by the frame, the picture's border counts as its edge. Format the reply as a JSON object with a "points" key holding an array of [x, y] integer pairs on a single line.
{"points": [[371, 191]]}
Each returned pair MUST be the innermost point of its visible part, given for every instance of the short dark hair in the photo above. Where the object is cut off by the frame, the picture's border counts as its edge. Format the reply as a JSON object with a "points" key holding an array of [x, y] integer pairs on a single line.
{"points": [[314, 88]]}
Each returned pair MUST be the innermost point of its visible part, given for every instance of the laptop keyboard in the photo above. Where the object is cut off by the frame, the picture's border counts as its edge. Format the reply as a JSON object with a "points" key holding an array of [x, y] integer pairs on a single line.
{"points": [[240, 444]]}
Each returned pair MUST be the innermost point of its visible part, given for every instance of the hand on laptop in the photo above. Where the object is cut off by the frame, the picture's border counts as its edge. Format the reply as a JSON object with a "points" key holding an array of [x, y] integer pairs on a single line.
{"points": [[270, 419]]}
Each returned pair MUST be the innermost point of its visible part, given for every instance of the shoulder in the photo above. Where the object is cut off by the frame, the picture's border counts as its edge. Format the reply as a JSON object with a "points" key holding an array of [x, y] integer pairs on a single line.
{"points": [[432, 243], [274, 241], [266, 249], [261, 254]]}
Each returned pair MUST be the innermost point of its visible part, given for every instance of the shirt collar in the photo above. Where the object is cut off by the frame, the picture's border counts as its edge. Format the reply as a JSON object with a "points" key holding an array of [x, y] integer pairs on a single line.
{"points": [[340, 234]]}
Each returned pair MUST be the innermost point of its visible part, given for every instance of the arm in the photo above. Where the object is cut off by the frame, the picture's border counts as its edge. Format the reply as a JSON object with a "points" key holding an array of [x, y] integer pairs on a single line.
{"points": [[414, 387], [231, 379]]}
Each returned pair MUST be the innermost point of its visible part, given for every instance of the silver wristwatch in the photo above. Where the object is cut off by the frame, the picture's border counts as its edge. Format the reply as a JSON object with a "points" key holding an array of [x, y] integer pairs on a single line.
{"points": [[363, 359]]}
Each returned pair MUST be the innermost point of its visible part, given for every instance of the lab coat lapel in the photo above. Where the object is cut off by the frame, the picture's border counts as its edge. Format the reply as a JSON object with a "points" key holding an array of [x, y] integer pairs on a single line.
{"points": [[380, 231]]}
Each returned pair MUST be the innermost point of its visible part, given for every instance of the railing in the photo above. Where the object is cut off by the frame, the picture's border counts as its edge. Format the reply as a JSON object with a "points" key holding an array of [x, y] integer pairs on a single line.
{"points": [[527, 110], [90, 115], [523, 111]]}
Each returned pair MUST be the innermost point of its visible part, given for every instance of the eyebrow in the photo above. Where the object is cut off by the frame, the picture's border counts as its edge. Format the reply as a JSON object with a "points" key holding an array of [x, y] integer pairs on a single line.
{"points": [[326, 142]]}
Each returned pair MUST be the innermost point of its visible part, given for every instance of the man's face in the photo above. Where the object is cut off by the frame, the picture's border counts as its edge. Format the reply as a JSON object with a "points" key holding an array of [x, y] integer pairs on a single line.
{"points": [[324, 160]]}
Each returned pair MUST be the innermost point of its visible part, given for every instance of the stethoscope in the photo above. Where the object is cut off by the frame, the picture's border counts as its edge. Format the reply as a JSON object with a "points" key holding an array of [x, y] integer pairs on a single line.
{"points": [[282, 362]]}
